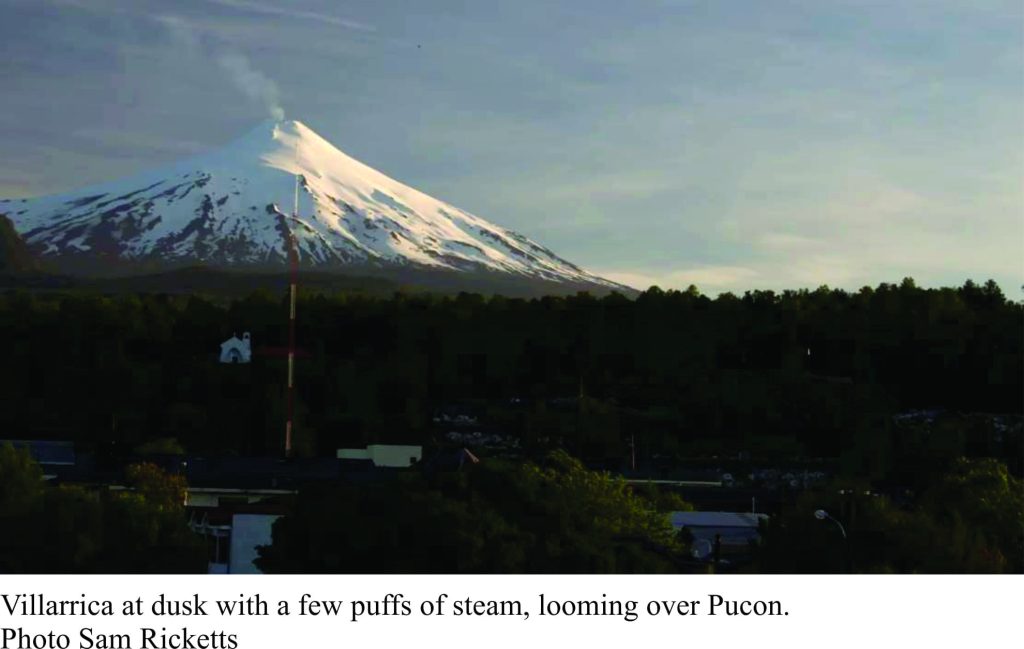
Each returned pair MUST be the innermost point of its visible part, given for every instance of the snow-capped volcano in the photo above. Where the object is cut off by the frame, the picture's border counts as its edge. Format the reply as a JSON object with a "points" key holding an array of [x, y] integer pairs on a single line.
{"points": [[231, 207]]}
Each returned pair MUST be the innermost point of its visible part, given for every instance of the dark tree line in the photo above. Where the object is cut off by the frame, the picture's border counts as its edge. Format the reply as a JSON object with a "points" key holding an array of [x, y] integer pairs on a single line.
{"points": [[809, 373], [967, 518], [557, 516], [74, 529], [495, 517]]}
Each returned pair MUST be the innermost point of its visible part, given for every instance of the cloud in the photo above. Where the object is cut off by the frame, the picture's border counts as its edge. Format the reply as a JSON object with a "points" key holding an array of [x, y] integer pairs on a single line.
{"points": [[183, 35], [301, 14], [16, 183], [131, 143], [785, 241], [709, 279]]}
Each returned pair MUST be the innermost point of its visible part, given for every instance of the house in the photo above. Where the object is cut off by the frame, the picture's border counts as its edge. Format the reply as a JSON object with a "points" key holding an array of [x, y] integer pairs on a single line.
{"points": [[235, 350], [734, 532], [232, 502], [234, 532]]}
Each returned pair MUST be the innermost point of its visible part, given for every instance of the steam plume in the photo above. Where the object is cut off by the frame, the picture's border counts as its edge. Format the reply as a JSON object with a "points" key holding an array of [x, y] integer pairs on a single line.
{"points": [[256, 85], [253, 83]]}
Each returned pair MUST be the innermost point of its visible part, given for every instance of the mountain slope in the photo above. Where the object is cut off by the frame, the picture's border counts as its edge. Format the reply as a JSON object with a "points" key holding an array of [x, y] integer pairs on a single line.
{"points": [[14, 254], [230, 208]]}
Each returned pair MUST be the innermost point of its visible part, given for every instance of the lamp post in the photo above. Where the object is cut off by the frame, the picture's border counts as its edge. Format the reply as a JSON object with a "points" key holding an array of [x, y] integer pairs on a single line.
{"points": [[823, 515]]}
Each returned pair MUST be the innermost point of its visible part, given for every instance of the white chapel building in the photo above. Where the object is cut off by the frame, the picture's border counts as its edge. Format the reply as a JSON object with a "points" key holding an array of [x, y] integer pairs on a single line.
{"points": [[236, 350]]}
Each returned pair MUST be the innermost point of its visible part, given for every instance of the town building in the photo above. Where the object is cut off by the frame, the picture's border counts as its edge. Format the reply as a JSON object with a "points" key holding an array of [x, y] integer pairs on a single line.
{"points": [[384, 455], [236, 350], [720, 535]]}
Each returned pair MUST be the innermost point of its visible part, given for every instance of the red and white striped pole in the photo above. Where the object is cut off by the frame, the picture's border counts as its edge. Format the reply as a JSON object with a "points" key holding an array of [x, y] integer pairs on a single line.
{"points": [[293, 259]]}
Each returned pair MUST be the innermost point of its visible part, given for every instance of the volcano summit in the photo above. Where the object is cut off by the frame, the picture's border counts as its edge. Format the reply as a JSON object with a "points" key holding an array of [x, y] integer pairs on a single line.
{"points": [[229, 208]]}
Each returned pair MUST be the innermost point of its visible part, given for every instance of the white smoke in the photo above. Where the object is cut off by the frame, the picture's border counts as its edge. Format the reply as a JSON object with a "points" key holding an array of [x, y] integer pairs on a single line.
{"points": [[256, 85], [183, 36]]}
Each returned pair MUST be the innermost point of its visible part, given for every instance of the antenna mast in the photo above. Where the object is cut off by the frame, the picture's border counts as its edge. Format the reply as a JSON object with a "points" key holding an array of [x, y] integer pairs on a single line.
{"points": [[293, 262]]}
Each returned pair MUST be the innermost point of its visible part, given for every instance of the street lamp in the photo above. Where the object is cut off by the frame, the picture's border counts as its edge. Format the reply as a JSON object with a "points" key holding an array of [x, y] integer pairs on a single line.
{"points": [[822, 515]]}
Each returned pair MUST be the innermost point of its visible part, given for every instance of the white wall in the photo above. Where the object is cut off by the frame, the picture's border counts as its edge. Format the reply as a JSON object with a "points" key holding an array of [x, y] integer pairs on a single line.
{"points": [[394, 456], [389, 455], [247, 532]]}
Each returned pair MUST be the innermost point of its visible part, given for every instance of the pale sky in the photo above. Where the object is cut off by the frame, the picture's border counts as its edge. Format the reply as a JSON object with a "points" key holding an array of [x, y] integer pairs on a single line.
{"points": [[730, 144]]}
